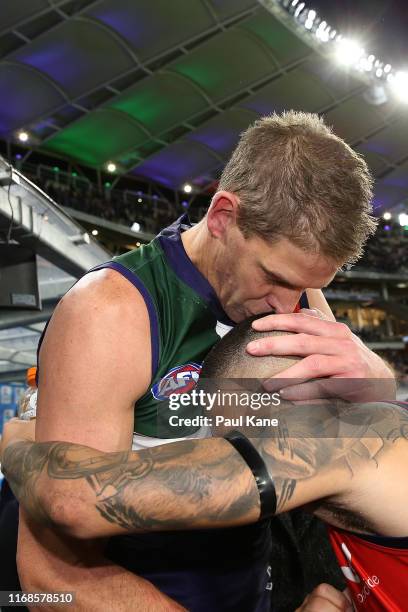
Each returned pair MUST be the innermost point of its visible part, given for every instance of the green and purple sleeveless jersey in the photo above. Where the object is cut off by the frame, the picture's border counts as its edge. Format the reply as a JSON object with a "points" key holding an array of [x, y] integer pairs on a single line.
{"points": [[221, 570], [185, 322]]}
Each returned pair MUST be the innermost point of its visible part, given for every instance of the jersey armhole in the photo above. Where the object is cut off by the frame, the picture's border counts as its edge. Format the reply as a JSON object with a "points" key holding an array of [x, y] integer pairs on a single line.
{"points": [[151, 309], [153, 319]]}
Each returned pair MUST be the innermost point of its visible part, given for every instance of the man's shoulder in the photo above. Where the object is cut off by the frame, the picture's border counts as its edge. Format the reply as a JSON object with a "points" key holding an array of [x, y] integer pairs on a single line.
{"points": [[103, 297], [106, 287]]}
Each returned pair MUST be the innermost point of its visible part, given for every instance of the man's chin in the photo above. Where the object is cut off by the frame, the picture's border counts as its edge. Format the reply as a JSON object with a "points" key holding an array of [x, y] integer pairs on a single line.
{"points": [[236, 314]]}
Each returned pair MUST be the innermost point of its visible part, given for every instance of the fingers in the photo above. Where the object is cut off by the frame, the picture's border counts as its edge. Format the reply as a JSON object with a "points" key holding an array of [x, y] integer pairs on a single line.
{"points": [[304, 392], [314, 366], [300, 344], [314, 312], [325, 598], [301, 322]]}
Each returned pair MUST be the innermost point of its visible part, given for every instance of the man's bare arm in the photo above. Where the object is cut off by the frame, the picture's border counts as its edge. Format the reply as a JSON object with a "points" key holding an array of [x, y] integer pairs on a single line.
{"points": [[96, 582], [92, 345], [205, 483]]}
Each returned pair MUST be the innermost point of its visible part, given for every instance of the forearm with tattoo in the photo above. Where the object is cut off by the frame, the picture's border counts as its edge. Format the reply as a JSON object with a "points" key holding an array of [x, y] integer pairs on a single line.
{"points": [[173, 486], [201, 483]]}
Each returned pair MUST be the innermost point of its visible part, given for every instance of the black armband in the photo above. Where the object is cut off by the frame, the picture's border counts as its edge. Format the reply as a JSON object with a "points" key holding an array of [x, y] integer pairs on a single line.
{"points": [[256, 464]]}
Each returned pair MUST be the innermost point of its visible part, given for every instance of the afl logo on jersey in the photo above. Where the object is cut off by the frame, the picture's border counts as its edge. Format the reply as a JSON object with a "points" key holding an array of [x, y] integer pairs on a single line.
{"points": [[180, 379]]}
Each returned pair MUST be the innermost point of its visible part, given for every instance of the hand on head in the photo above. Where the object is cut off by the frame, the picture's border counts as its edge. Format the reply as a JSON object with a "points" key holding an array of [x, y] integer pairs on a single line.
{"points": [[328, 350]]}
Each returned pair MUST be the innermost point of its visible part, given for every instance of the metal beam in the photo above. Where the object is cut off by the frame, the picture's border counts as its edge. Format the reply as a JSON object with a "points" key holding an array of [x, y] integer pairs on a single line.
{"points": [[371, 275], [22, 318], [164, 57], [40, 224], [34, 16], [385, 345], [25, 358], [98, 222], [16, 376]]}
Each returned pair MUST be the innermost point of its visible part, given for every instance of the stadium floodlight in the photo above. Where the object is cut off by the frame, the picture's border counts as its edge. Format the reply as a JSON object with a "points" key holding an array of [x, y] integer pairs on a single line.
{"points": [[135, 227], [311, 16], [187, 188], [299, 9], [23, 136], [321, 30], [399, 85], [111, 167], [364, 64], [387, 216], [349, 52], [403, 219]]}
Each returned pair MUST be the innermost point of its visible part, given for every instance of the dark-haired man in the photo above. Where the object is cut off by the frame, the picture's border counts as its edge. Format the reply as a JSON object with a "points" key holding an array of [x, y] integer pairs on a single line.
{"points": [[344, 459], [293, 206]]}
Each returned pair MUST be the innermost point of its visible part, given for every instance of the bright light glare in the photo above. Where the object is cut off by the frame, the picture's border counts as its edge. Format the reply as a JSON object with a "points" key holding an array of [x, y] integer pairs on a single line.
{"points": [[299, 9], [187, 188], [348, 52], [403, 219], [365, 64], [135, 227], [387, 216], [399, 85], [23, 136], [111, 167]]}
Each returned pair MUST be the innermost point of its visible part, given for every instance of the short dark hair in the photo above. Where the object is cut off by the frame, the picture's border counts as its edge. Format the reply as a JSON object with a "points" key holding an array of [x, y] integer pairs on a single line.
{"points": [[229, 359]]}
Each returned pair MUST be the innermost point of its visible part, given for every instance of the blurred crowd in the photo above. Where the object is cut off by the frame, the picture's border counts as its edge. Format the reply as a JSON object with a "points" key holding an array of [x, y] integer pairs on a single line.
{"points": [[117, 206], [399, 361], [385, 252]]}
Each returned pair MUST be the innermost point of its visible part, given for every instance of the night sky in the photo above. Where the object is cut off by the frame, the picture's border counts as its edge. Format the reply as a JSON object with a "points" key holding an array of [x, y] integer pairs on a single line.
{"points": [[380, 25]]}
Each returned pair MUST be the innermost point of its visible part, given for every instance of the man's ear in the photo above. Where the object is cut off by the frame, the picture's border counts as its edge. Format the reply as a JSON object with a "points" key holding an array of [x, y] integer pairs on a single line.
{"points": [[222, 213]]}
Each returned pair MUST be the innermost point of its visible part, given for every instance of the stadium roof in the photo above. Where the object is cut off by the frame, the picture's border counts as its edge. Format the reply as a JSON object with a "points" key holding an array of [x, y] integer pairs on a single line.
{"points": [[163, 89]]}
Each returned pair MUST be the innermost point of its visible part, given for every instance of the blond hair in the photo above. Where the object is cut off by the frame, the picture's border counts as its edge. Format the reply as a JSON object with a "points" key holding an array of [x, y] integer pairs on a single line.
{"points": [[296, 179]]}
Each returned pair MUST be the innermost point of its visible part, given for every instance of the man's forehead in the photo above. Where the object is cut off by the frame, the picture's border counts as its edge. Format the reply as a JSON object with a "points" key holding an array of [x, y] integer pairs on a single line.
{"points": [[297, 266]]}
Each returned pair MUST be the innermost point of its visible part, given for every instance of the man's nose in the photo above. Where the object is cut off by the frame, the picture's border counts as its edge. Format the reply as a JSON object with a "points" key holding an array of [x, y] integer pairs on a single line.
{"points": [[284, 300]]}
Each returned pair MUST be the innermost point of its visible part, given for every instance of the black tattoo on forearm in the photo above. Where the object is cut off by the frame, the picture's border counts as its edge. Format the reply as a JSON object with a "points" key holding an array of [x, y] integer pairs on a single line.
{"points": [[363, 433], [204, 483], [167, 487]]}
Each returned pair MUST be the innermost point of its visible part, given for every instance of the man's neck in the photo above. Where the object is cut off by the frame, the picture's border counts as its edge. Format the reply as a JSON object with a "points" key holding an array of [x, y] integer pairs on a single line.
{"points": [[200, 248]]}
